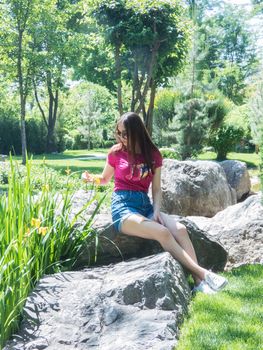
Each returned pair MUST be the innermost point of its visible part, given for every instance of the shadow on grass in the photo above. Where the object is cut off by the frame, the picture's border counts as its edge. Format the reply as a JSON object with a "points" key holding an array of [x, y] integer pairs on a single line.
{"points": [[63, 168], [250, 165], [61, 156]]}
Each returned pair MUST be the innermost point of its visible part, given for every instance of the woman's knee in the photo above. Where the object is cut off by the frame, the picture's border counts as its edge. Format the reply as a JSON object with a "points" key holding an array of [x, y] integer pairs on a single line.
{"points": [[180, 230], [164, 235]]}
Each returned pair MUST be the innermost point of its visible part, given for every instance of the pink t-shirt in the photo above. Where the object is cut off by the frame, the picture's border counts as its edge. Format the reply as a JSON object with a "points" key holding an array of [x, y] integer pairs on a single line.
{"points": [[134, 177]]}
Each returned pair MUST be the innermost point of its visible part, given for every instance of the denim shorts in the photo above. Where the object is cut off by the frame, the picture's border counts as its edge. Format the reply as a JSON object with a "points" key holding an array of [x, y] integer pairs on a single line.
{"points": [[126, 203]]}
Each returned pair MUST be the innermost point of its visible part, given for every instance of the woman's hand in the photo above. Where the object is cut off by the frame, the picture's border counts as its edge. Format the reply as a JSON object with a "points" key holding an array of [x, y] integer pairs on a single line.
{"points": [[87, 177], [157, 217]]}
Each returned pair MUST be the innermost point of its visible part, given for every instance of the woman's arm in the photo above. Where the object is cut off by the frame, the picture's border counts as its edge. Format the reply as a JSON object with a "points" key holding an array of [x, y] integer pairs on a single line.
{"points": [[102, 179], [157, 195]]}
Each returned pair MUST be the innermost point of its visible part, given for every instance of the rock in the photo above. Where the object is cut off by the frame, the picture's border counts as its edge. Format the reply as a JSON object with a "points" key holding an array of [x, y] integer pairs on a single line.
{"points": [[239, 228], [138, 304], [237, 176], [195, 188], [114, 246], [82, 202]]}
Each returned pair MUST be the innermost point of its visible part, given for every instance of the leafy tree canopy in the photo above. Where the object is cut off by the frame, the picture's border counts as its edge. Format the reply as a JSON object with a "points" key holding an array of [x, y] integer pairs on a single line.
{"points": [[139, 42]]}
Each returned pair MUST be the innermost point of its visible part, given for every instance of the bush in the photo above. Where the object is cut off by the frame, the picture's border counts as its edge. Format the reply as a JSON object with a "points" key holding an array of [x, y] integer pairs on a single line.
{"points": [[10, 139], [169, 153], [224, 139], [36, 136], [10, 136]]}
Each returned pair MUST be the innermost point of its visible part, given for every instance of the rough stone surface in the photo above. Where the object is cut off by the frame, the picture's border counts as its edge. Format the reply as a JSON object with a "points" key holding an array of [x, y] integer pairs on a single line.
{"points": [[135, 305], [237, 176], [195, 188], [82, 201], [114, 246], [239, 228]]}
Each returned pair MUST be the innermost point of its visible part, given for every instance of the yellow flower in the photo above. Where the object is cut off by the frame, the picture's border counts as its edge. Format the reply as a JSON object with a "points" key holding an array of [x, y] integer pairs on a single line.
{"points": [[96, 180], [28, 232], [46, 187], [42, 230], [211, 97], [35, 222], [67, 171]]}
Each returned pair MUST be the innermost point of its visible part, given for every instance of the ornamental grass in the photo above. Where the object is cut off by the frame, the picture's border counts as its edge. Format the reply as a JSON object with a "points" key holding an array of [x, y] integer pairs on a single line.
{"points": [[37, 236]]}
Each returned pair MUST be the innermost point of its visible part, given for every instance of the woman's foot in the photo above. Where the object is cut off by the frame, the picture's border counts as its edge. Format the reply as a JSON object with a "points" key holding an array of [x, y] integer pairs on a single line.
{"points": [[215, 281], [203, 287]]}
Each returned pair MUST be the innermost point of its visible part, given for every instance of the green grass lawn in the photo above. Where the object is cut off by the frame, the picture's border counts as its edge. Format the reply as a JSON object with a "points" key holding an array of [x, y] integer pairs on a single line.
{"points": [[229, 320], [70, 160], [251, 159]]}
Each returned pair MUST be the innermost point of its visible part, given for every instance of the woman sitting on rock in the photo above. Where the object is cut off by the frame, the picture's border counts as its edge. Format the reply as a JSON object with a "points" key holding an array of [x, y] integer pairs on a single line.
{"points": [[135, 163]]}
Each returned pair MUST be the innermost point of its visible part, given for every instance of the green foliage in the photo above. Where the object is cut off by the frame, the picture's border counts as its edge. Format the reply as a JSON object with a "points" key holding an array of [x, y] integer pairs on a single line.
{"points": [[164, 107], [170, 153], [89, 115], [224, 139], [258, 6], [194, 120], [145, 42], [255, 106], [35, 239], [239, 116], [10, 140], [164, 112], [256, 120], [223, 49]]}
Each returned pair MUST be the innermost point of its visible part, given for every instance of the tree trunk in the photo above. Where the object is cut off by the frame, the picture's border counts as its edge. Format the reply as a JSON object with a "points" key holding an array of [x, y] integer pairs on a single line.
{"points": [[23, 135], [52, 116], [149, 116], [22, 94], [118, 76], [149, 76]]}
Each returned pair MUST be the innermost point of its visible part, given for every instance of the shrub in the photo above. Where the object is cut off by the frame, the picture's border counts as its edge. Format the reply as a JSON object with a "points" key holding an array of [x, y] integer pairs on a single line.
{"points": [[224, 139], [10, 139], [169, 153]]}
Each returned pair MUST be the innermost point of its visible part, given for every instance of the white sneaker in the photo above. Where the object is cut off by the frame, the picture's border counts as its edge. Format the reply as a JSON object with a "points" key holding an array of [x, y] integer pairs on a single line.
{"points": [[215, 281], [203, 287]]}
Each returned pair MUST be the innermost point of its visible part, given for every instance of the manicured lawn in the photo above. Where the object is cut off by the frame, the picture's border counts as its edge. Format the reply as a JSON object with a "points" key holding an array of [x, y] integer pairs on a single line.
{"points": [[251, 159], [75, 160], [229, 320]]}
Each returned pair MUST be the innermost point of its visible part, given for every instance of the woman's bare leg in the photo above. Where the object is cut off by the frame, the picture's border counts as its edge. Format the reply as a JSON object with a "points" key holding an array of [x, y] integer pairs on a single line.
{"points": [[137, 225], [180, 234]]}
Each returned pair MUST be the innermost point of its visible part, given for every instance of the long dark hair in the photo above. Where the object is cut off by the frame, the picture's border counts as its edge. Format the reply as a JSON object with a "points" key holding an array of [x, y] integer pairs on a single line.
{"points": [[137, 134]]}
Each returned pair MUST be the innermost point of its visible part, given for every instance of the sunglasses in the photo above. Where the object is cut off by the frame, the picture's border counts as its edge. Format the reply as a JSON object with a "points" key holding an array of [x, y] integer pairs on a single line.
{"points": [[122, 134]]}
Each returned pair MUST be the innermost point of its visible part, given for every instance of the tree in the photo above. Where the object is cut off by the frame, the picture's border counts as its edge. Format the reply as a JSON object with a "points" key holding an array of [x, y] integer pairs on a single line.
{"points": [[258, 6], [230, 50], [56, 42], [164, 112], [256, 114], [90, 114], [146, 42], [195, 119], [224, 139], [16, 50]]}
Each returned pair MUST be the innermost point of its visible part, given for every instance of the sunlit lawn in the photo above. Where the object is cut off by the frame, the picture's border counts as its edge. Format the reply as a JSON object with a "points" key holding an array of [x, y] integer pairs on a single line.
{"points": [[75, 160], [251, 159], [229, 320]]}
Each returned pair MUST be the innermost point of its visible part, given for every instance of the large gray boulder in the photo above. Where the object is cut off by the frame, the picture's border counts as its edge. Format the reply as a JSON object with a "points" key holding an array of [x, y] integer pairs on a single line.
{"points": [[195, 188], [237, 176], [135, 305], [239, 228], [114, 246]]}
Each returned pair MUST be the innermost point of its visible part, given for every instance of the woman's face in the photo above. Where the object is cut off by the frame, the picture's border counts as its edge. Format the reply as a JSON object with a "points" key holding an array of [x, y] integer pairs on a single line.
{"points": [[122, 133]]}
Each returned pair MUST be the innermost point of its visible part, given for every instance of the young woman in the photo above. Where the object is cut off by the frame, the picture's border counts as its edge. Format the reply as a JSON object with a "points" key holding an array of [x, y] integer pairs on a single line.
{"points": [[135, 163]]}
